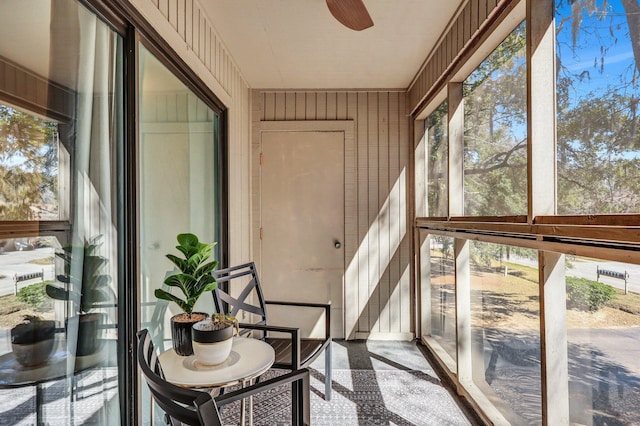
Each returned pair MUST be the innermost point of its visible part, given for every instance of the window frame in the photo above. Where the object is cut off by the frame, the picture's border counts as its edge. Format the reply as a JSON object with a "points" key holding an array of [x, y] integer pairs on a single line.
{"points": [[603, 236], [125, 20], [611, 231]]}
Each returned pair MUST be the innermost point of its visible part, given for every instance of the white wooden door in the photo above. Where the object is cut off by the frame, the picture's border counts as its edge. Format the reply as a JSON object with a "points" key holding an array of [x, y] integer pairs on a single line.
{"points": [[302, 225]]}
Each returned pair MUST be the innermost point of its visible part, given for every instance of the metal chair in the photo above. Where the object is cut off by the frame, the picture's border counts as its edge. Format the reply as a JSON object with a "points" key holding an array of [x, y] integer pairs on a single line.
{"points": [[292, 352], [193, 407]]}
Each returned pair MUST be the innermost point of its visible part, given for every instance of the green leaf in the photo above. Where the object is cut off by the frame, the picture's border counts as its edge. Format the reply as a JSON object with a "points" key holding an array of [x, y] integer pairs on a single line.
{"points": [[173, 281], [204, 280], [195, 277], [181, 264], [188, 240], [162, 294], [198, 258], [187, 251], [210, 287], [57, 292], [207, 268], [180, 280]]}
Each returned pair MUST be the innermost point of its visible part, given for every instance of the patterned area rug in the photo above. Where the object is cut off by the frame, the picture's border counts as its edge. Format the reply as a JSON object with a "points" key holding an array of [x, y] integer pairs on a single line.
{"points": [[361, 397]]}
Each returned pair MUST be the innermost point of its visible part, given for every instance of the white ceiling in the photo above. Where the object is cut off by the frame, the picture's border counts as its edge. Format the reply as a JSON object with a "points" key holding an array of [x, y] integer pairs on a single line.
{"points": [[278, 44], [297, 44]]}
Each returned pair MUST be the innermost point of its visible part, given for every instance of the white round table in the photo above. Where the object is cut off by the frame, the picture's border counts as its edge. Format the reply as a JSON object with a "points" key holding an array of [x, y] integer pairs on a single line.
{"points": [[249, 359]]}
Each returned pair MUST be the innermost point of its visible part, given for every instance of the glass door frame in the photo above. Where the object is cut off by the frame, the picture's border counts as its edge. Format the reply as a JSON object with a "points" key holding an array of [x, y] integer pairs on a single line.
{"points": [[131, 25]]}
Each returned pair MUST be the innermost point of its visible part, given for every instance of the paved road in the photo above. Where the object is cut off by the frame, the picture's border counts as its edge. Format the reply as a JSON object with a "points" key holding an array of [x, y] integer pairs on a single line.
{"points": [[583, 268], [19, 262], [615, 345], [588, 269]]}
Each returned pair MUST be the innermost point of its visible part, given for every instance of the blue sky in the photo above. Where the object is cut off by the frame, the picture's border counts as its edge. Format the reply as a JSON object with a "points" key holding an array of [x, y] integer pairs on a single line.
{"points": [[605, 29]]}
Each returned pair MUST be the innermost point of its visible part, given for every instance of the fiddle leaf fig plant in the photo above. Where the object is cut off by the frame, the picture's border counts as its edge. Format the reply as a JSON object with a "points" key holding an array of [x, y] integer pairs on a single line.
{"points": [[194, 277], [91, 287]]}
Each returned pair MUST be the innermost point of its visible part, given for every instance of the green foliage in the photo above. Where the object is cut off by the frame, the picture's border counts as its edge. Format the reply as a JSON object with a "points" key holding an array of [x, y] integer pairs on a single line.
{"points": [[598, 124], [587, 295], [35, 295], [495, 102], [28, 164], [446, 243], [84, 281], [484, 254], [194, 278], [437, 161], [597, 108], [221, 321]]}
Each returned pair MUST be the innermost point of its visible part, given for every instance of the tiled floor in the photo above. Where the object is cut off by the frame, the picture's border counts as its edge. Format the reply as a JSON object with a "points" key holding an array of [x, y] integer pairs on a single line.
{"points": [[382, 382], [374, 383]]}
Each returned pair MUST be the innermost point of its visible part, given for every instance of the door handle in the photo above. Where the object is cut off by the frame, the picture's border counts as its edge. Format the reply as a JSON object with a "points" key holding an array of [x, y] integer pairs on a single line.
{"points": [[337, 244]]}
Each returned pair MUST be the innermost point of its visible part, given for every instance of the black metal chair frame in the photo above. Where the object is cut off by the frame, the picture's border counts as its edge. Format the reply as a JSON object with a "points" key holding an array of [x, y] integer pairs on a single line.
{"points": [[303, 351], [193, 407]]}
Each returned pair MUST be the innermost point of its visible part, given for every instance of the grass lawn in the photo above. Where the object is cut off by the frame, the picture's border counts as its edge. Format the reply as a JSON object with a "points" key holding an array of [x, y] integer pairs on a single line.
{"points": [[512, 300], [626, 302]]}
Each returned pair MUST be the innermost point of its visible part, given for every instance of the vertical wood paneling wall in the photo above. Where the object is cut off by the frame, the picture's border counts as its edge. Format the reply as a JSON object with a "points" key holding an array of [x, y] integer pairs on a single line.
{"points": [[33, 92], [377, 280], [185, 26], [379, 267], [465, 27]]}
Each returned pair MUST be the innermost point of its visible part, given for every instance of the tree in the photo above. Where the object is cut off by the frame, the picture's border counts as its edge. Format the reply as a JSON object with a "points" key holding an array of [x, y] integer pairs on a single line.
{"points": [[598, 145], [28, 164], [495, 175], [437, 191], [598, 141]]}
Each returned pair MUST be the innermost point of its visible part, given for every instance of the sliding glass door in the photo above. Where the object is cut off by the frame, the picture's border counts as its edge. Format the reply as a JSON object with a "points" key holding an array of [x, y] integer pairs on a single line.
{"points": [[61, 115], [179, 180]]}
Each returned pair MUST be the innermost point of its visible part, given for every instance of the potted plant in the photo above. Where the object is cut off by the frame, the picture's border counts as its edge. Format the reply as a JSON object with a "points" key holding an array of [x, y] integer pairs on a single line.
{"points": [[213, 338], [87, 286], [193, 279], [32, 341]]}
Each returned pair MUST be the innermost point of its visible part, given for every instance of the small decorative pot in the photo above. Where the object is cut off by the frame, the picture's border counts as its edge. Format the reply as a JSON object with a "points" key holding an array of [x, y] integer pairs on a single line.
{"points": [[33, 343], [210, 345], [181, 325]]}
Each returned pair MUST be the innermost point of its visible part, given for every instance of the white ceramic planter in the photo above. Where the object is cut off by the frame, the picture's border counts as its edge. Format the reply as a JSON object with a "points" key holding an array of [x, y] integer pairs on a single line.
{"points": [[33, 343], [33, 354], [211, 347], [212, 353]]}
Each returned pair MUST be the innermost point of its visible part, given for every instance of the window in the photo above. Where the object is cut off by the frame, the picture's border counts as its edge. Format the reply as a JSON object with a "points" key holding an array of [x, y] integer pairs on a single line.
{"points": [[437, 161], [598, 92], [495, 132], [30, 166], [505, 329], [443, 293], [569, 323], [180, 180], [61, 115], [602, 320]]}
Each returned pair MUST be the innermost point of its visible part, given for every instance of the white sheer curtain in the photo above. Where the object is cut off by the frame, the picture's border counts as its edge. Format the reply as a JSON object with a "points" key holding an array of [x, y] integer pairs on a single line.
{"points": [[94, 53]]}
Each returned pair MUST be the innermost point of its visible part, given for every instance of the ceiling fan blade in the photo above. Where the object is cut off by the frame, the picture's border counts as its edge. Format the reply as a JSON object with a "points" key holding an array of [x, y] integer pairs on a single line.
{"points": [[350, 13]]}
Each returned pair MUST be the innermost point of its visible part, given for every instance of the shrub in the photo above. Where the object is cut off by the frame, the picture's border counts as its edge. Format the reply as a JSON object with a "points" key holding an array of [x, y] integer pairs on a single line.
{"points": [[587, 295], [35, 295]]}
